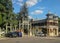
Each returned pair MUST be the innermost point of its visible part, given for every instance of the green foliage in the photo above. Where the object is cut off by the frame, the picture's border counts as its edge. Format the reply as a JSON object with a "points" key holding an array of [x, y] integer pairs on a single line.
{"points": [[2, 8], [0, 19], [6, 13]]}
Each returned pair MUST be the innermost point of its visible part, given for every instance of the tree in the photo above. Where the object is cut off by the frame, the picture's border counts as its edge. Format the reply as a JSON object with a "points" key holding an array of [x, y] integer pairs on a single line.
{"points": [[6, 11], [0, 19]]}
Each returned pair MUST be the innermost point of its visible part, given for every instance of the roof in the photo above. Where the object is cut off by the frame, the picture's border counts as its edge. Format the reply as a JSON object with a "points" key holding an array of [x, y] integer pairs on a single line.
{"points": [[39, 21], [51, 14]]}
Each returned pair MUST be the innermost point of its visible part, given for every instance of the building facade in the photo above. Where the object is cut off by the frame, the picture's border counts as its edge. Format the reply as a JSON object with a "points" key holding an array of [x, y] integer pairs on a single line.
{"points": [[48, 26]]}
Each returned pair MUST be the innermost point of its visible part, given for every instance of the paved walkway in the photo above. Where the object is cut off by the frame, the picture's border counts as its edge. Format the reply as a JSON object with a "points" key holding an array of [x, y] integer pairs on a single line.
{"points": [[31, 40], [42, 37], [33, 37]]}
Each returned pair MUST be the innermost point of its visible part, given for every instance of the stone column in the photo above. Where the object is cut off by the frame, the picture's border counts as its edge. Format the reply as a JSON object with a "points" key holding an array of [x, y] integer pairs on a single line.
{"points": [[47, 32], [19, 25], [6, 29], [15, 27], [22, 29], [22, 26], [30, 31], [10, 27], [33, 31], [0, 31], [57, 31], [54, 31]]}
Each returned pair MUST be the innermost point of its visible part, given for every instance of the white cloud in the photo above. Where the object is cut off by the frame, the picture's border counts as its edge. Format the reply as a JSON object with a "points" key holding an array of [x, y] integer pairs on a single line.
{"points": [[28, 2], [19, 2], [42, 7], [37, 12], [30, 17], [32, 2]]}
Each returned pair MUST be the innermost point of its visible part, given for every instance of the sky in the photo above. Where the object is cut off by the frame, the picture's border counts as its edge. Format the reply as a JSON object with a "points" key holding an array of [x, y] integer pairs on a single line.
{"points": [[37, 9]]}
